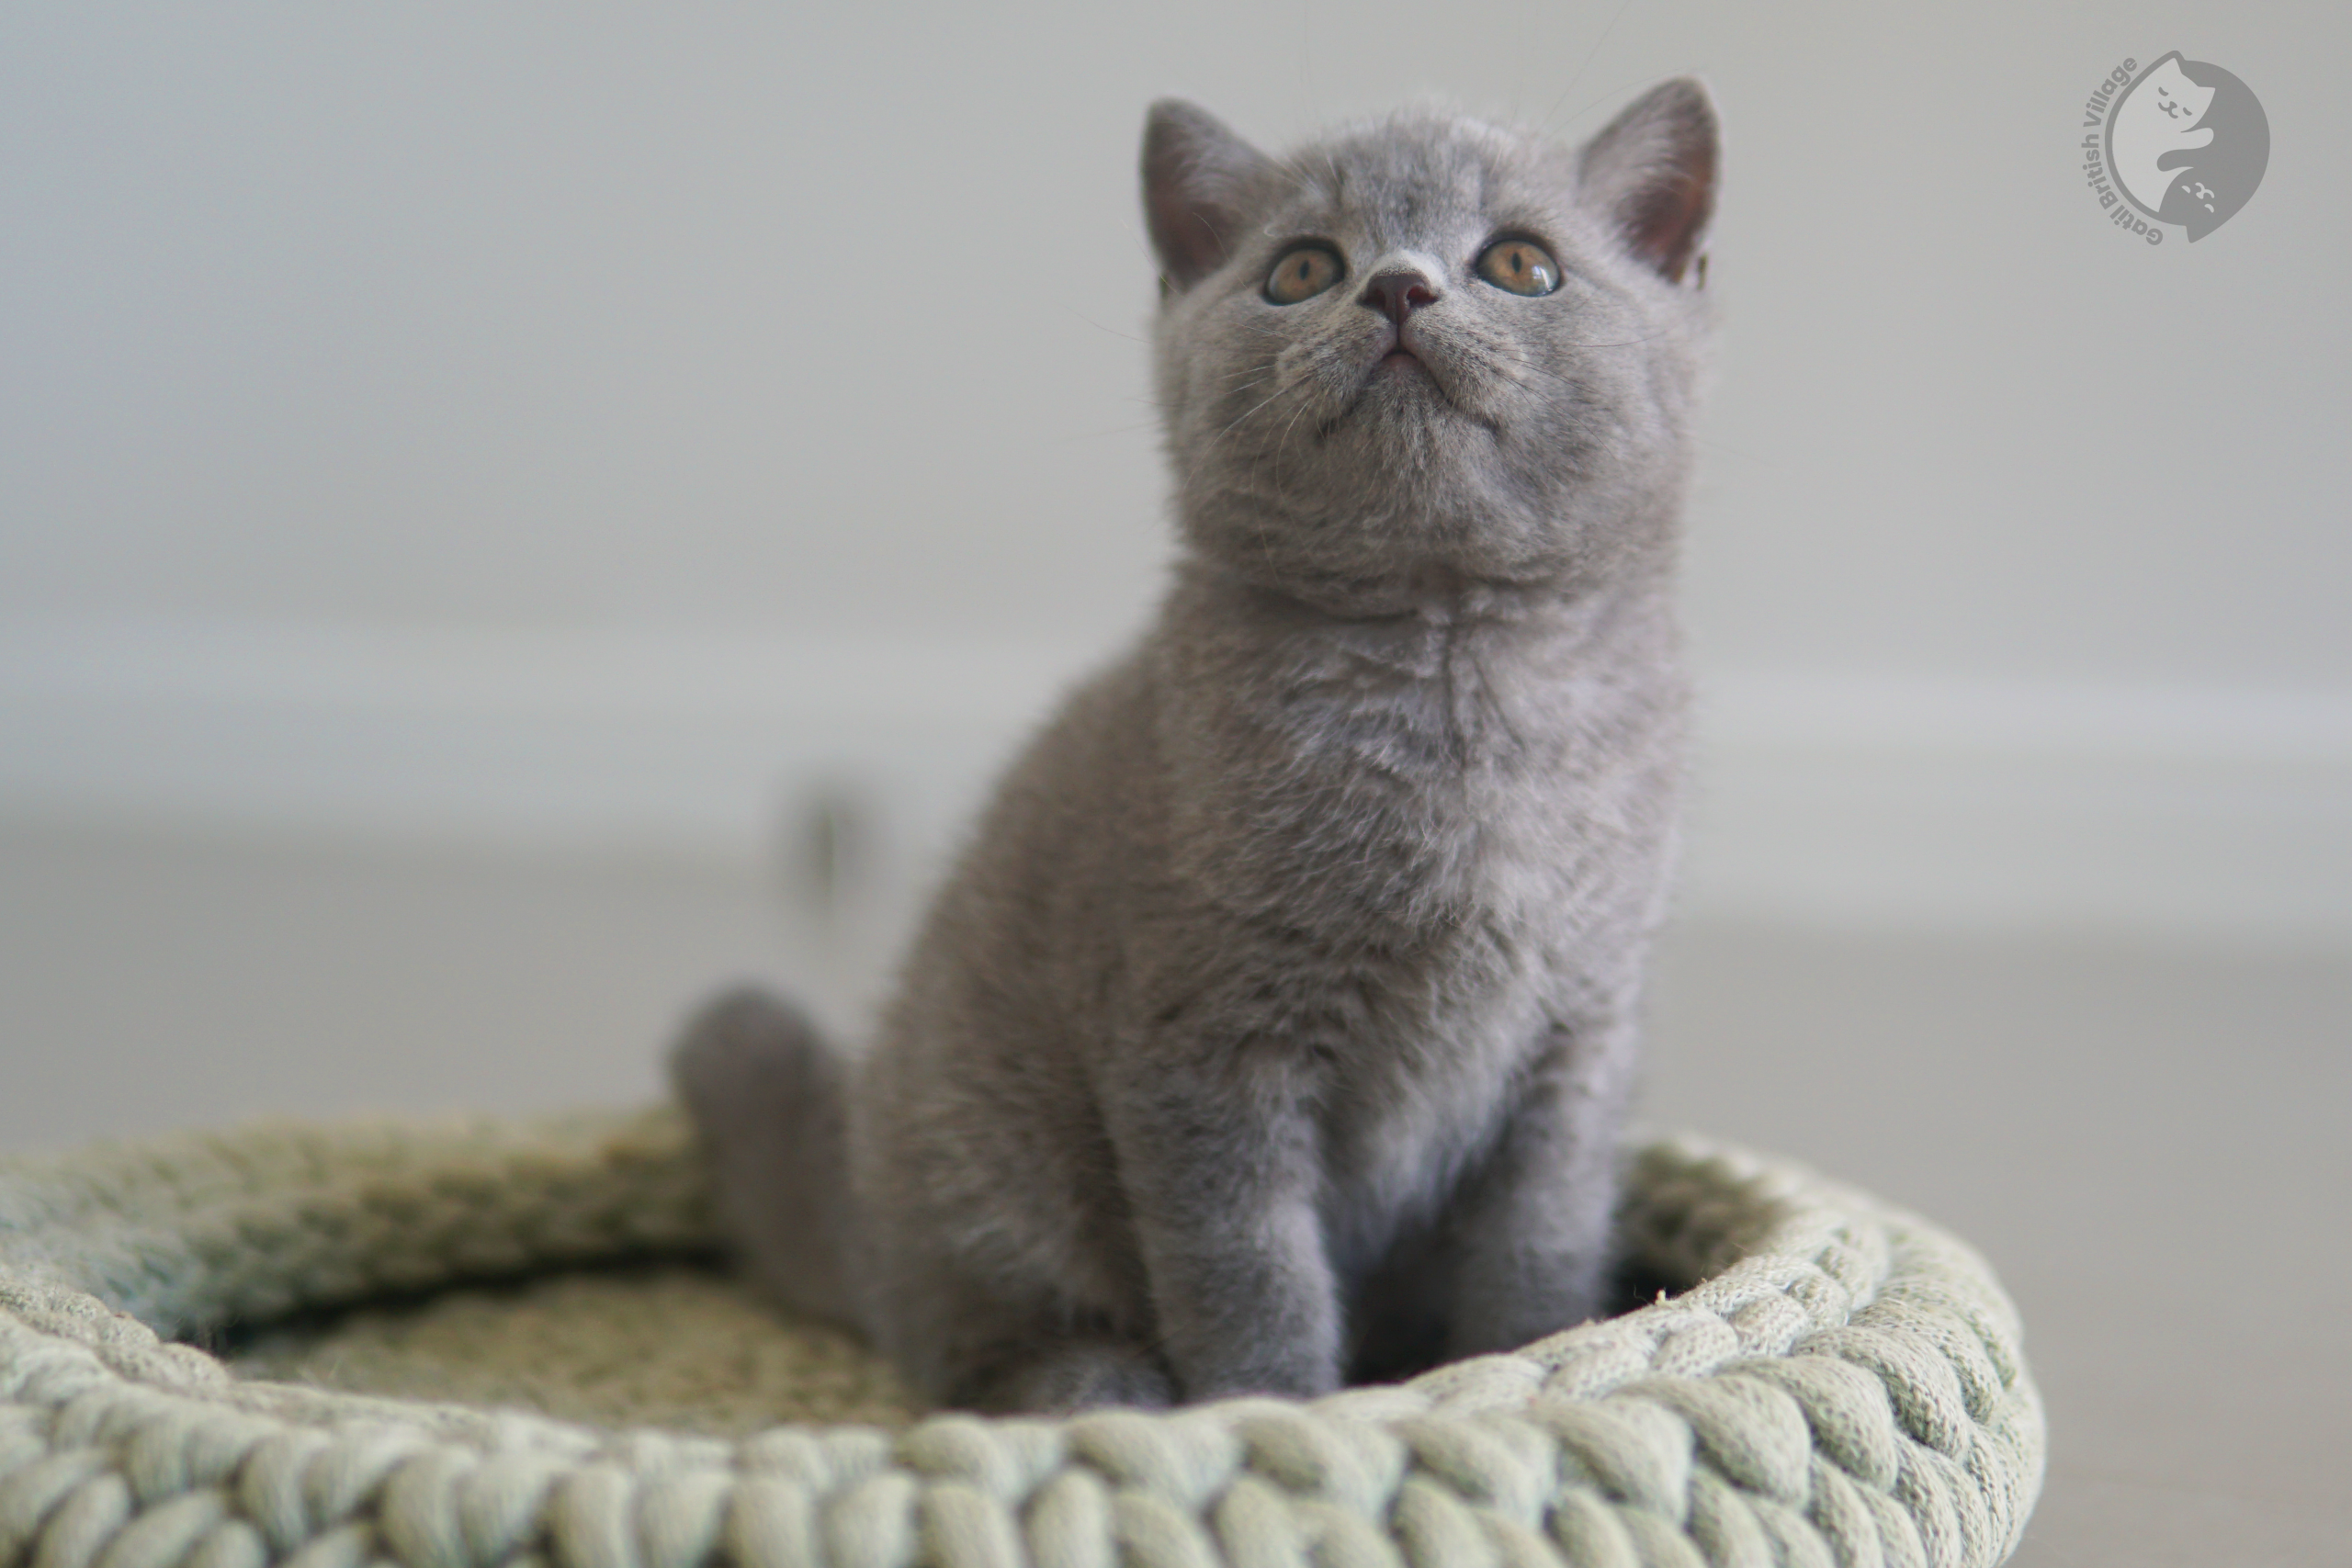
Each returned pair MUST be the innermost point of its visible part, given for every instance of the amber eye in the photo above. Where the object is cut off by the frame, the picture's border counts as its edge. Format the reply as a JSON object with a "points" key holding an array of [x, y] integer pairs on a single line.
{"points": [[1520, 267], [1302, 274]]}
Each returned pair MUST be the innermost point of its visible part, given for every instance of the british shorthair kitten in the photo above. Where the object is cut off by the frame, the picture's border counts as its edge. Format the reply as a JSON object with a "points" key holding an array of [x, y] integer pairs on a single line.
{"points": [[1276, 1027]]}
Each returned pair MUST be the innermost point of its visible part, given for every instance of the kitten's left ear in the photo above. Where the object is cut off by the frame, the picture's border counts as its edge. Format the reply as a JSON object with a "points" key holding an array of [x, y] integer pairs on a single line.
{"points": [[1652, 169], [1196, 183]]}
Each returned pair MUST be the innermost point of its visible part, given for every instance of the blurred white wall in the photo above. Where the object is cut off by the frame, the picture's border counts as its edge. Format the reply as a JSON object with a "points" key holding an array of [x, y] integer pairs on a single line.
{"points": [[601, 425]]}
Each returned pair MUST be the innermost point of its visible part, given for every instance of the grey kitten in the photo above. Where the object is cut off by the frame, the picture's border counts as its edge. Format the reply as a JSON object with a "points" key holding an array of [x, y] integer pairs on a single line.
{"points": [[1276, 1026]]}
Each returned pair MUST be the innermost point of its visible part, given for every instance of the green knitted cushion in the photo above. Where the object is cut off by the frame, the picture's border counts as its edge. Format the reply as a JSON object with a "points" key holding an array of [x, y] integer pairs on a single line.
{"points": [[1842, 1386]]}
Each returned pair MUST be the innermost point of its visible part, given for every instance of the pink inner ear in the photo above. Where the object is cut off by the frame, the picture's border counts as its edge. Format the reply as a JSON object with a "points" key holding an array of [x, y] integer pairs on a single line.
{"points": [[1195, 173], [1652, 168], [1188, 229], [1663, 221]]}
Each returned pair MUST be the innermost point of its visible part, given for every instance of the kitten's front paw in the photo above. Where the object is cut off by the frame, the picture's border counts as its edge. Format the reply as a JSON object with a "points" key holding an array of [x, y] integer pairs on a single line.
{"points": [[1278, 1383], [1511, 1316], [1067, 1379]]}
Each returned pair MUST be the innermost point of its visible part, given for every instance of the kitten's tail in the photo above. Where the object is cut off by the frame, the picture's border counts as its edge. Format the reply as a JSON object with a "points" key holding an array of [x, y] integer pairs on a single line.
{"points": [[770, 1100]]}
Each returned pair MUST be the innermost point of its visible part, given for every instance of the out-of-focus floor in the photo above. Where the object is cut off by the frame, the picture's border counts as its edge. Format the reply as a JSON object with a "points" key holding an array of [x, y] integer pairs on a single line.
{"points": [[2148, 1142]]}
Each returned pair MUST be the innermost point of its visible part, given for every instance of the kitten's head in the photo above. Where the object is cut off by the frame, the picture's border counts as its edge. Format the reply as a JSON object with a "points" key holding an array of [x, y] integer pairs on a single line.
{"points": [[1428, 346]]}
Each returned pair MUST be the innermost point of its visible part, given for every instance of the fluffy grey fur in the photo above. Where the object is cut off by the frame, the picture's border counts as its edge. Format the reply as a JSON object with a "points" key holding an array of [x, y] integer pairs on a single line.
{"points": [[1276, 1026]]}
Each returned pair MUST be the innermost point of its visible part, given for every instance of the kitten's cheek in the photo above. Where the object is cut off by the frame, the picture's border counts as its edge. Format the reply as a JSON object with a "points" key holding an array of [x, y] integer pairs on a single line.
{"points": [[1293, 362]]}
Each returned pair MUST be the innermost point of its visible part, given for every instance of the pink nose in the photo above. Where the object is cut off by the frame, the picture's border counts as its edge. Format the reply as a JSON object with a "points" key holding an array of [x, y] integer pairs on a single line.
{"points": [[1397, 294]]}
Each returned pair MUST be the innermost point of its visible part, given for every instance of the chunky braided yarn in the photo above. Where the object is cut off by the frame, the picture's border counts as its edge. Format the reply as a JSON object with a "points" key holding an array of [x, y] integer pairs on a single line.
{"points": [[1843, 1388]]}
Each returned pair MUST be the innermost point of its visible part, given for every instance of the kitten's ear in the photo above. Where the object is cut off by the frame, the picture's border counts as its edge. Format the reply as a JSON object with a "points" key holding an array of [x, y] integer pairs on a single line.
{"points": [[1197, 181], [1653, 170]]}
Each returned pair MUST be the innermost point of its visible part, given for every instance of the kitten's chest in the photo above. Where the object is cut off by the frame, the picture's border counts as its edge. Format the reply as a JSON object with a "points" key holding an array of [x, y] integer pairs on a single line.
{"points": [[1459, 786], [1442, 844]]}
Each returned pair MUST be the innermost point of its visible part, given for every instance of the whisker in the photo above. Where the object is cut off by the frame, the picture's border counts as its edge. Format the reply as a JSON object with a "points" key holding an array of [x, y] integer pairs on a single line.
{"points": [[1098, 326], [1209, 446], [1590, 55], [1282, 443], [1096, 435], [1511, 370], [1303, 379]]}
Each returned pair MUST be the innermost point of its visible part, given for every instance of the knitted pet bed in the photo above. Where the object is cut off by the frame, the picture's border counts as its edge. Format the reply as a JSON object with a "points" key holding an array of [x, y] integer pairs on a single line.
{"points": [[1840, 1385]]}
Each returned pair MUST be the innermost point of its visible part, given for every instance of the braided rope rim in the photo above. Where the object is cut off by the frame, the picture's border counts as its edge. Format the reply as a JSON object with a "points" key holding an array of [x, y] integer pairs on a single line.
{"points": [[1844, 1388]]}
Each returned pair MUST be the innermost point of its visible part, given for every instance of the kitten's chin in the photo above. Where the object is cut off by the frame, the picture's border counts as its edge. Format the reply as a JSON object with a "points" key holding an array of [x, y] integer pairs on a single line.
{"points": [[1400, 368], [1401, 394]]}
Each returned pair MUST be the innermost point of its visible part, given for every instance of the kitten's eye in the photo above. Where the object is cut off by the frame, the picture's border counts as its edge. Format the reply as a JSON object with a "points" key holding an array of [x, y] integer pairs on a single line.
{"points": [[1302, 274], [1520, 266]]}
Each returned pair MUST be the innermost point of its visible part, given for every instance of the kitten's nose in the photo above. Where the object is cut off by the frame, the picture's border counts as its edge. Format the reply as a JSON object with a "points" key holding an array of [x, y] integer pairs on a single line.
{"points": [[1397, 294]]}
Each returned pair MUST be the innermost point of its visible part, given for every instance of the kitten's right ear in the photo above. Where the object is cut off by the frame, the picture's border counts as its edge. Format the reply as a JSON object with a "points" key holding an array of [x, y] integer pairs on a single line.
{"points": [[1197, 181], [1652, 169]]}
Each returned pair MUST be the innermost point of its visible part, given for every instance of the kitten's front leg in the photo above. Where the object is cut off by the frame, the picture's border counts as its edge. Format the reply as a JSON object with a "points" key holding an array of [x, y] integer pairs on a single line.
{"points": [[1220, 1178], [1533, 1225]]}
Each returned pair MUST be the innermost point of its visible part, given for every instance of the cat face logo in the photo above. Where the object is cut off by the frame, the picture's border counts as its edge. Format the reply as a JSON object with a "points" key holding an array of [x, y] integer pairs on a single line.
{"points": [[2187, 143]]}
